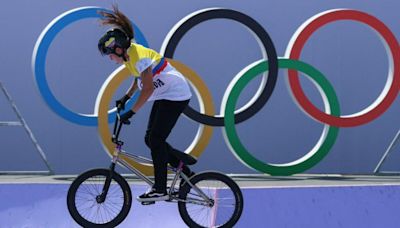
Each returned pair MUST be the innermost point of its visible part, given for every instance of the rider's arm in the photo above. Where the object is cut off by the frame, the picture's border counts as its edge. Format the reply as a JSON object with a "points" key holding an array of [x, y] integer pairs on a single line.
{"points": [[147, 89], [133, 88]]}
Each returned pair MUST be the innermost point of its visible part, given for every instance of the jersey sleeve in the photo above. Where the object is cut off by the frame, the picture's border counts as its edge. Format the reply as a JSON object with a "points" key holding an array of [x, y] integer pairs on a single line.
{"points": [[143, 64]]}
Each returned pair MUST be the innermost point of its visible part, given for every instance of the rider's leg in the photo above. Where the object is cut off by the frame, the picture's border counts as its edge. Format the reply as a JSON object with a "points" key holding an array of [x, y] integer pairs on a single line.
{"points": [[174, 162], [162, 119]]}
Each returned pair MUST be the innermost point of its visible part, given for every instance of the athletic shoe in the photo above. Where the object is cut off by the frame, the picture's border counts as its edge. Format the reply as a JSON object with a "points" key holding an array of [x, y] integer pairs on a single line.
{"points": [[153, 195]]}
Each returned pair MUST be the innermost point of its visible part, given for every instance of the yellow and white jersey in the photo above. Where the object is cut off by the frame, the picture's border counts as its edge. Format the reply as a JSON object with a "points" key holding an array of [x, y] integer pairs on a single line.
{"points": [[169, 84]]}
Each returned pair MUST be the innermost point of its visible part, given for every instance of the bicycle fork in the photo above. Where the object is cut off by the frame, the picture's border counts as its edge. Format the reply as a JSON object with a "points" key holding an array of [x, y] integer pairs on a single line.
{"points": [[102, 197]]}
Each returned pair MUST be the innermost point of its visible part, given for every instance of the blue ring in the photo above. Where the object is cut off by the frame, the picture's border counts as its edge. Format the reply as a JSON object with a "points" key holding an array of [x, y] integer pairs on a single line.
{"points": [[39, 63]]}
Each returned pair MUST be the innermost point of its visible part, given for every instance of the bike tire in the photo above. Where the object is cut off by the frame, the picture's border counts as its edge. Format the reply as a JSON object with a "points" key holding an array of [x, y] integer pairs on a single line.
{"points": [[229, 193], [118, 182]]}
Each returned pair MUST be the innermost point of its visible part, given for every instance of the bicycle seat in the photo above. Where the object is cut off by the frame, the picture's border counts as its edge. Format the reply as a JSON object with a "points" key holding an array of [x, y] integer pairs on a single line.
{"points": [[187, 159]]}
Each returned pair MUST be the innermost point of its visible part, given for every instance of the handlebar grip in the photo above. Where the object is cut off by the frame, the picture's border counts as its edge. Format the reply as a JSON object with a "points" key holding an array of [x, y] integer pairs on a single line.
{"points": [[119, 108]]}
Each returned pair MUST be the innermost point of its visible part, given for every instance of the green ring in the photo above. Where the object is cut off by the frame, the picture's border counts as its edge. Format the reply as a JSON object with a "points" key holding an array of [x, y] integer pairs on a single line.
{"points": [[329, 134]]}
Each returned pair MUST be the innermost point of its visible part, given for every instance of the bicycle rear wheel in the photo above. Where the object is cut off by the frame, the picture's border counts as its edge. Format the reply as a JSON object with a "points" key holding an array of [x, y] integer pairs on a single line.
{"points": [[82, 199], [226, 197]]}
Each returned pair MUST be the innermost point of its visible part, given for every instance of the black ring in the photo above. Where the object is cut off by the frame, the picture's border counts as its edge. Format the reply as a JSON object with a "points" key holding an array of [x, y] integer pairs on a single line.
{"points": [[265, 40]]}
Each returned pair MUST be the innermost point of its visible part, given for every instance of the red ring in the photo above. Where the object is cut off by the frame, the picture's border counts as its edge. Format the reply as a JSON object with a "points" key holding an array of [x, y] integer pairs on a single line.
{"points": [[311, 27]]}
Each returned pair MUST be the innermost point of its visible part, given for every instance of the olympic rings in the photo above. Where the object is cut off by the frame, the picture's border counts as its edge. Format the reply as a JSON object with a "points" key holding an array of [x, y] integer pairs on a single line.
{"points": [[39, 61], [388, 94], [323, 145], [331, 118], [202, 137], [256, 103]]}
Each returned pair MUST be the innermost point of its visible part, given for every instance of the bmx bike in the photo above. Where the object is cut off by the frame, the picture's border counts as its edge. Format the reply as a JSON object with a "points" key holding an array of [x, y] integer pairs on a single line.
{"points": [[102, 197]]}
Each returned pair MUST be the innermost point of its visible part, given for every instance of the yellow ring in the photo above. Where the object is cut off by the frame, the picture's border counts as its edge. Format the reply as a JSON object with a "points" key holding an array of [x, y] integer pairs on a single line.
{"points": [[112, 83]]}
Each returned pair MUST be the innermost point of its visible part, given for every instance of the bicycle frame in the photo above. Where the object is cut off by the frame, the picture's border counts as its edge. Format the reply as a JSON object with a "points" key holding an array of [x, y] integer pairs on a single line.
{"points": [[117, 160]]}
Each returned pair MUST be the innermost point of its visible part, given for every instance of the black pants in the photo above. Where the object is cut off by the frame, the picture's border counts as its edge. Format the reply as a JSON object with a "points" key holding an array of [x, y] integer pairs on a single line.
{"points": [[163, 117]]}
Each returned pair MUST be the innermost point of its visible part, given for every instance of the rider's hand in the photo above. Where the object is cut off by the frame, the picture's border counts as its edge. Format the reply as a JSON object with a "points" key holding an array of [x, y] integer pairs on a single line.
{"points": [[121, 102], [126, 116]]}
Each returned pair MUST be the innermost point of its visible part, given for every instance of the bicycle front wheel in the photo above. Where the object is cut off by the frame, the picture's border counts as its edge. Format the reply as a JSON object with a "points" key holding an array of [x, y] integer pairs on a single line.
{"points": [[226, 201], [84, 204]]}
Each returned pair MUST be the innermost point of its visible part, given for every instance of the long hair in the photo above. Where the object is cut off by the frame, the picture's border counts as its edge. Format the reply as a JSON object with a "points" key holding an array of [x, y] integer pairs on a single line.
{"points": [[117, 19]]}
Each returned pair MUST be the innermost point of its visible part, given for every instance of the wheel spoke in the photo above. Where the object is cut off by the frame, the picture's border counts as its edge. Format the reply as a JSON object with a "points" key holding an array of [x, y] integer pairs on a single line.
{"points": [[86, 209], [222, 191]]}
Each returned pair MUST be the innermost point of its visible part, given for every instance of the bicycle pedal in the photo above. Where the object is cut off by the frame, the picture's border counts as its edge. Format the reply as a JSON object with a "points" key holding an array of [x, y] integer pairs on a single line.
{"points": [[148, 203]]}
